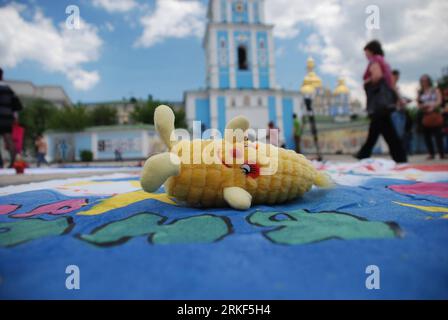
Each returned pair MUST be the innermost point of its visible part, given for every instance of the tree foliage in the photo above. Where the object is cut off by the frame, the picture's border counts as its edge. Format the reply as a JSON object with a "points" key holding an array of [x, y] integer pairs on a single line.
{"points": [[181, 119], [39, 115], [36, 115], [70, 119], [103, 115], [443, 82], [144, 113], [443, 86], [35, 118]]}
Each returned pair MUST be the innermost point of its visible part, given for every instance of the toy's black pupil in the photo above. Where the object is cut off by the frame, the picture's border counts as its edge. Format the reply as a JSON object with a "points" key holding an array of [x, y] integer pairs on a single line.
{"points": [[246, 169]]}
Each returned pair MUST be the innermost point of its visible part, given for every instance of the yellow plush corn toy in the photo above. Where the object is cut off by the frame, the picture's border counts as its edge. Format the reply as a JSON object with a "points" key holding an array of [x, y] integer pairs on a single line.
{"points": [[231, 171]]}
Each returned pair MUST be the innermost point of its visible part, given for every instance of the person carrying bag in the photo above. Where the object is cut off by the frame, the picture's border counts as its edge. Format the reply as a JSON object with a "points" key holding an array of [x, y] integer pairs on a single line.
{"points": [[429, 102], [382, 99]]}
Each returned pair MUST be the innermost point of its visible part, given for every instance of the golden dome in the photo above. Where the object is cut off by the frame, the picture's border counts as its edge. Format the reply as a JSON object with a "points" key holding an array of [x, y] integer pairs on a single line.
{"points": [[341, 88], [307, 89], [310, 64], [311, 79]]}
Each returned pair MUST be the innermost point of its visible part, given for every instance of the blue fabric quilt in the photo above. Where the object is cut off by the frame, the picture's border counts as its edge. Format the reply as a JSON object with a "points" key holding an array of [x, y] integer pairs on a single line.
{"points": [[122, 243]]}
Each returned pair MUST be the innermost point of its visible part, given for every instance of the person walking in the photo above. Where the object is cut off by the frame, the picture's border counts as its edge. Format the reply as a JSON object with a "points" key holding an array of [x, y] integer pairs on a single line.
{"points": [[381, 102], [42, 148], [429, 102], [401, 118], [445, 116], [9, 105], [297, 132], [272, 136], [118, 155], [398, 116]]}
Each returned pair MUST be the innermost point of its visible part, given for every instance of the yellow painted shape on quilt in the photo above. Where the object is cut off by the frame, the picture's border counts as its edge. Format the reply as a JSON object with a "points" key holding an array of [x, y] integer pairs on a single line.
{"points": [[425, 208], [125, 199]]}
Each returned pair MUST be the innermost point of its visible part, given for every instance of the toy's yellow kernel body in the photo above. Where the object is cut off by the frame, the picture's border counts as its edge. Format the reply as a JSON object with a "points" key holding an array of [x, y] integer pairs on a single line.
{"points": [[210, 173], [203, 184]]}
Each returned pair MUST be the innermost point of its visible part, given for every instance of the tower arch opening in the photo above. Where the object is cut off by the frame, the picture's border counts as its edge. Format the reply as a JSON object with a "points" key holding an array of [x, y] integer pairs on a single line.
{"points": [[243, 63]]}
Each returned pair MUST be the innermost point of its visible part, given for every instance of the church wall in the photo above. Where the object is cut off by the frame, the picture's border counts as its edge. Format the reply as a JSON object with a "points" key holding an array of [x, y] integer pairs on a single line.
{"points": [[226, 11], [240, 16], [272, 110], [258, 116], [202, 111], [223, 59], [223, 11], [271, 57], [263, 59], [222, 119], [216, 107], [256, 12], [340, 106], [221, 45], [287, 112], [242, 82]]}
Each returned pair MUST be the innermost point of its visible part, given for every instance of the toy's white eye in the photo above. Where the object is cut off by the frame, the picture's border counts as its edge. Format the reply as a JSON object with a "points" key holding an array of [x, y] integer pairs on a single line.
{"points": [[245, 168]]}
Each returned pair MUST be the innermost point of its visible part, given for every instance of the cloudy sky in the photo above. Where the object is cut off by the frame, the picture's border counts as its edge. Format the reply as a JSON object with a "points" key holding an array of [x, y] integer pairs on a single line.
{"points": [[129, 48]]}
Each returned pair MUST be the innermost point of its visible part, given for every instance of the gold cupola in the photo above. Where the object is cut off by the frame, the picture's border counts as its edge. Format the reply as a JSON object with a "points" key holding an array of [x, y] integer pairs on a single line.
{"points": [[341, 88], [311, 81]]}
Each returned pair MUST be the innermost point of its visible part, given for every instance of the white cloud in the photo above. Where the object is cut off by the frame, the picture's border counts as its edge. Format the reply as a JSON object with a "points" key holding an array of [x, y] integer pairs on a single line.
{"points": [[409, 89], [413, 32], [115, 5], [109, 27], [172, 19], [313, 44], [56, 49], [83, 80], [280, 51], [289, 16]]}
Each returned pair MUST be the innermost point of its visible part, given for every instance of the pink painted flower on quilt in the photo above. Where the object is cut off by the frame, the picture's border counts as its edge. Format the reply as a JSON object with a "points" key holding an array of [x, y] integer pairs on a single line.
{"points": [[437, 189]]}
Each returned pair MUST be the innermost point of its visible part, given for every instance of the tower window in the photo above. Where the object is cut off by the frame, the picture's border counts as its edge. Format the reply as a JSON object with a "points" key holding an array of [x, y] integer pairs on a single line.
{"points": [[242, 58]]}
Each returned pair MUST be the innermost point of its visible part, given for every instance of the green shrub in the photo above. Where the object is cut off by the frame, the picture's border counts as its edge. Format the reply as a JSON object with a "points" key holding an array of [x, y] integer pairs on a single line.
{"points": [[86, 155]]}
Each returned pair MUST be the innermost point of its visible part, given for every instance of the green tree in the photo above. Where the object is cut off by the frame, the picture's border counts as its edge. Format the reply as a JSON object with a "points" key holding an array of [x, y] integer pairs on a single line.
{"points": [[181, 119], [35, 118], [70, 119], [103, 115], [144, 113], [442, 83]]}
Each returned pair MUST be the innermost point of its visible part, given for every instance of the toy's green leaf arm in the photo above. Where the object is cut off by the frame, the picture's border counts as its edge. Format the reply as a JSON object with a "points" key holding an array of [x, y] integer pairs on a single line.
{"points": [[238, 123], [164, 123], [236, 129], [158, 169], [237, 198]]}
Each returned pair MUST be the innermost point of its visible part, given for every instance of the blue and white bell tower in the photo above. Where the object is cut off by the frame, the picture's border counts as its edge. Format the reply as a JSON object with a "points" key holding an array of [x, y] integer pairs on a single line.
{"points": [[240, 61], [239, 46]]}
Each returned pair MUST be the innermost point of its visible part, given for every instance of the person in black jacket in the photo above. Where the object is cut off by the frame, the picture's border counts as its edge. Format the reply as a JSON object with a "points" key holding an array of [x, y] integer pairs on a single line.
{"points": [[9, 104]]}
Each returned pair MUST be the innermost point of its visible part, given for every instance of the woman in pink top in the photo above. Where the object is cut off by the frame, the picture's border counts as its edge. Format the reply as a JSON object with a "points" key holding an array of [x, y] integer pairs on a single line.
{"points": [[381, 102]]}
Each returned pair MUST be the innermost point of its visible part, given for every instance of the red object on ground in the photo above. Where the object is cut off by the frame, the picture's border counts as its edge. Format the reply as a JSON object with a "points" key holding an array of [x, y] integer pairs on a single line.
{"points": [[437, 189], [20, 166]]}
